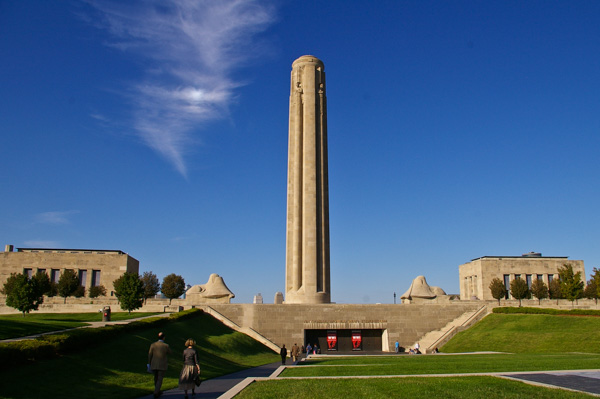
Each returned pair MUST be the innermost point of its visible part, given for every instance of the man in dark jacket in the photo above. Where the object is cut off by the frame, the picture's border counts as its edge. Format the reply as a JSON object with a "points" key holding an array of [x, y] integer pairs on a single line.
{"points": [[283, 353], [158, 361]]}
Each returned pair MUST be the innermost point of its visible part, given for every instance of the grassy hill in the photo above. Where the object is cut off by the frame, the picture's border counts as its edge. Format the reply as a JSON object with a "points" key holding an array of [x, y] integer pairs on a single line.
{"points": [[529, 333], [117, 369]]}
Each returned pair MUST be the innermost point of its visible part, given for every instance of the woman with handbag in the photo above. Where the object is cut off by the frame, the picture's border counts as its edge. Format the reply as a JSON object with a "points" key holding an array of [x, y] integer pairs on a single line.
{"points": [[191, 368]]}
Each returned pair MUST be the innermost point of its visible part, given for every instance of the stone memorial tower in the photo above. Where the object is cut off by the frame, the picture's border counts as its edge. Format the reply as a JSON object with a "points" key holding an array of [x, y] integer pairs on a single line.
{"points": [[307, 233]]}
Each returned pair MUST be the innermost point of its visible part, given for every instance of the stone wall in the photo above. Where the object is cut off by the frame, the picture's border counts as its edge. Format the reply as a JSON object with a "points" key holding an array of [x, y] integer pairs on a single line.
{"points": [[285, 324]]}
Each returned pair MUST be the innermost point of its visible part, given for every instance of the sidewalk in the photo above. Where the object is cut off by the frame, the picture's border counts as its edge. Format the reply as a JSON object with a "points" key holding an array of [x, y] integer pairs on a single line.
{"points": [[91, 324], [218, 387]]}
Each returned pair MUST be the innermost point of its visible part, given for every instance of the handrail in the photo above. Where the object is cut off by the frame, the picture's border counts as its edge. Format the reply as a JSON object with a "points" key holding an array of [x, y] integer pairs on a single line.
{"points": [[453, 328]]}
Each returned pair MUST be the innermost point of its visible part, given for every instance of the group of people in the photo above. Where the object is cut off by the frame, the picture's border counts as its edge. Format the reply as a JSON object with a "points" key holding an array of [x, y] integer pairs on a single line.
{"points": [[296, 351], [158, 361]]}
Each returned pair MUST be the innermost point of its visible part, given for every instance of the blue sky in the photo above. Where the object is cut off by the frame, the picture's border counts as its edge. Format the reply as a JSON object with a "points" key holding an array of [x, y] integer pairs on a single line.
{"points": [[456, 130]]}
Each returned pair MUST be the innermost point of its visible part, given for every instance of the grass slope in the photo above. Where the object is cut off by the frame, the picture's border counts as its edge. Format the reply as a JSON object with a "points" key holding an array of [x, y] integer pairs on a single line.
{"points": [[518, 333], [15, 326], [117, 369]]}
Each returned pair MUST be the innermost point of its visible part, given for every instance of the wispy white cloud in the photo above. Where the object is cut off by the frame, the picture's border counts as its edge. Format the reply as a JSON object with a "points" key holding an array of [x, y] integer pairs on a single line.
{"points": [[192, 46], [54, 217]]}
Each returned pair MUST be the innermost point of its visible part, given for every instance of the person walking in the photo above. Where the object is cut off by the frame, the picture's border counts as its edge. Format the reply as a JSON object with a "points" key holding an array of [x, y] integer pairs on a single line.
{"points": [[158, 356], [283, 354], [295, 353], [191, 368], [397, 346]]}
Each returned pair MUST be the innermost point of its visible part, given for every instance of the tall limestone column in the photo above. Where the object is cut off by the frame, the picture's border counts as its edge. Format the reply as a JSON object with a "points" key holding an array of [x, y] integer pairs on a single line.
{"points": [[307, 236]]}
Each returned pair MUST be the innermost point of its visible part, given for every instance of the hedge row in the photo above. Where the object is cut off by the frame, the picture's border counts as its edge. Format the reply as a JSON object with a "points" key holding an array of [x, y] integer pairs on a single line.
{"points": [[526, 310], [53, 345]]}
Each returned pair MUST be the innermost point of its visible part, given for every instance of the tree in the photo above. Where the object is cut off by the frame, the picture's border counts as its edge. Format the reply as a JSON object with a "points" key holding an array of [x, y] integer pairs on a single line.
{"points": [[79, 292], [519, 289], [151, 285], [67, 284], [96, 291], [595, 280], [22, 293], [43, 283], [173, 286], [539, 289], [554, 291], [129, 290], [591, 290], [571, 286], [498, 289]]}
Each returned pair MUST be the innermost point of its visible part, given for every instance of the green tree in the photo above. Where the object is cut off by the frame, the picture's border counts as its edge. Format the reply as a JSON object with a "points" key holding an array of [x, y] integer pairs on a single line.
{"points": [[79, 292], [595, 277], [554, 291], [96, 291], [539, 289], [498, 289], [67, 284], [42, 282], [129, 290], [22, 293], [519, 289], [151, 285], [173, 286], [591, 290], [571, 286]]}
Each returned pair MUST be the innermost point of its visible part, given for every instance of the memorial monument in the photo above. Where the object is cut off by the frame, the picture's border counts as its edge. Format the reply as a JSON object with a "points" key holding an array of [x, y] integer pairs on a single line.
{"points": [[307, 232]]}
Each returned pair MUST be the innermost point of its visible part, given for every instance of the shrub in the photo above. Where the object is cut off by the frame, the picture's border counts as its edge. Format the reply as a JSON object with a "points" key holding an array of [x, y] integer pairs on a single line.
{"points": [[96, 291]]}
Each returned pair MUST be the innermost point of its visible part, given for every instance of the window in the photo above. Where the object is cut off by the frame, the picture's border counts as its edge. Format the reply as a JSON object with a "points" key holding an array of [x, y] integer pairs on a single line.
{"points": [[41, 270], [82, 277], [550, 278], [528, 279], [540, 277], [95, 278], [54, 275], [28, 272], [506, 285]]}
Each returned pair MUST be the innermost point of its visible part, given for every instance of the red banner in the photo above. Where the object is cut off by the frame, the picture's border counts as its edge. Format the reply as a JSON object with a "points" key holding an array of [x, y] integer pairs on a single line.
{"points": [[356, 340], [332, 340]]}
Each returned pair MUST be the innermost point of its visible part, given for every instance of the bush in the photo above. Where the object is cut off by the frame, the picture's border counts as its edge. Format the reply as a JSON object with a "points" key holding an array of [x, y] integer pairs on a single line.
{"points": [[96, 291], [79, 292]]}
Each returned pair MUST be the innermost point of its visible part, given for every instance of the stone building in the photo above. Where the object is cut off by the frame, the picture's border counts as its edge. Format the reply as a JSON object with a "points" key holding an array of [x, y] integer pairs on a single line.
{"points": [[476, 275], [93, 267]]}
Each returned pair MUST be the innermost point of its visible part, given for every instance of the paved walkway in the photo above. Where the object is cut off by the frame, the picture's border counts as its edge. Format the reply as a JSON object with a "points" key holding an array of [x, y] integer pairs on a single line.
{"points": [[587, 381], [90, 324], [219, 387]]}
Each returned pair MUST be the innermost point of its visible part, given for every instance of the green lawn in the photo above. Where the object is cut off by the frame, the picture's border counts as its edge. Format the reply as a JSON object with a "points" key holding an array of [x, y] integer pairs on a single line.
{"points": [[443, 364], [519, 333], [413, 388], [117, 369], [537, 343], [14, 326]]}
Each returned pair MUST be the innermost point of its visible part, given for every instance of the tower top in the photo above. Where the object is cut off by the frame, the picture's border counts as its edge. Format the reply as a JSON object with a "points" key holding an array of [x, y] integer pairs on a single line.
{"points": [[307, 59]]}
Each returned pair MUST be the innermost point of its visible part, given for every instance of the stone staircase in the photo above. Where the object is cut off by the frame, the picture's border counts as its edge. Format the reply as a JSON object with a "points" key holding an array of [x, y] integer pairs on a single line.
{"points": [[435, 339]]}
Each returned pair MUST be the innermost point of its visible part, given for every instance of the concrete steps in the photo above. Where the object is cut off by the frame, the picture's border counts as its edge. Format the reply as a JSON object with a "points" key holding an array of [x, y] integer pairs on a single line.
{"points": [[435, 339]]}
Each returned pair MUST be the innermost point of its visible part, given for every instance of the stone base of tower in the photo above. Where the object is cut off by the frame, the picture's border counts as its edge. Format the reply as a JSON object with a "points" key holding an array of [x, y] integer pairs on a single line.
{"points": [[302, 297]]}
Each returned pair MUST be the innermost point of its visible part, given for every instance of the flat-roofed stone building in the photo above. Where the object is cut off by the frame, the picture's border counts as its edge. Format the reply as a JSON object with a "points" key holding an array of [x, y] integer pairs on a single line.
{"points": [[476, 275], [93, 267]]}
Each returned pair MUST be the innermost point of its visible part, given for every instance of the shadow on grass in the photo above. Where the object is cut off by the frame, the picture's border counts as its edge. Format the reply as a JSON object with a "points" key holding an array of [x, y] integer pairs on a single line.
{"points": [[117, 369]]}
